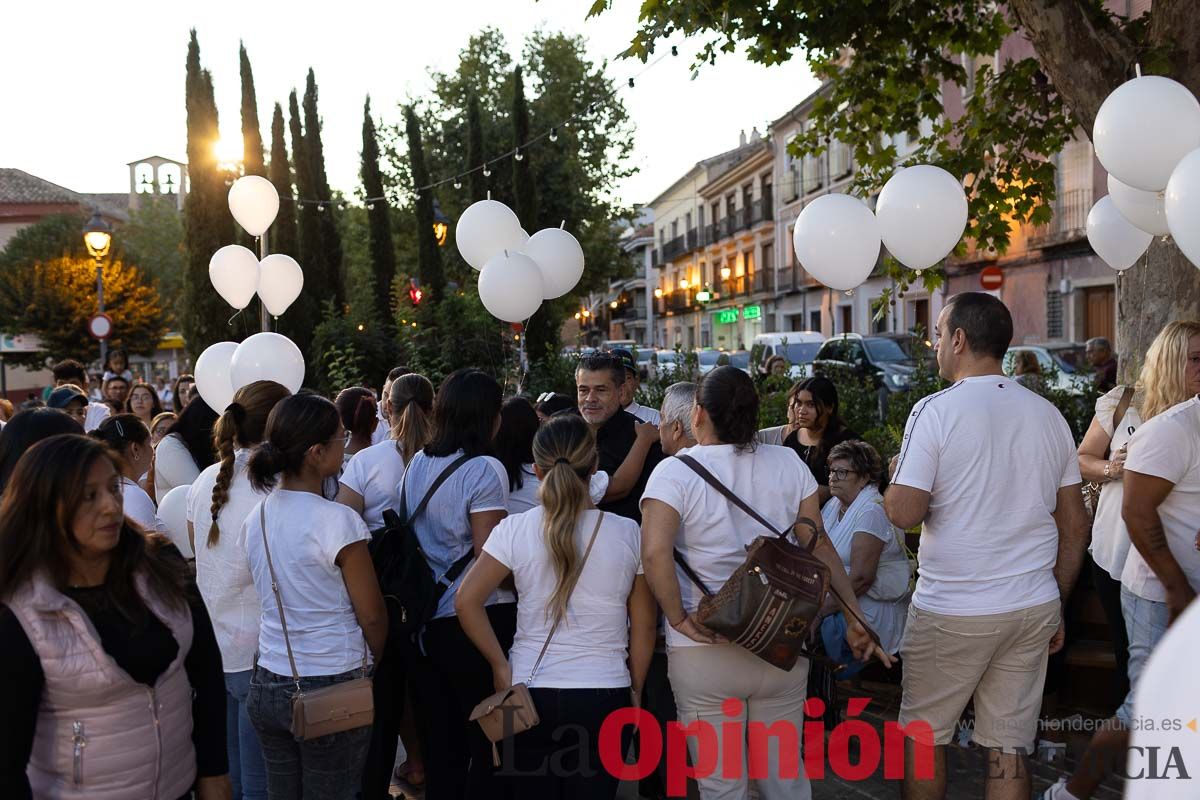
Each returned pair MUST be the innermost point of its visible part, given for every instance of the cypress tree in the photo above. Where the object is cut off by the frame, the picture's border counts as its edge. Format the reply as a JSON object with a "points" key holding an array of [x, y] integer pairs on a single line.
{"points": [[207, 223], [302, 318], [329, 264], [379, 220], [252, 143], [524, 189], [476, 183], [283, 232], [429, 259]]}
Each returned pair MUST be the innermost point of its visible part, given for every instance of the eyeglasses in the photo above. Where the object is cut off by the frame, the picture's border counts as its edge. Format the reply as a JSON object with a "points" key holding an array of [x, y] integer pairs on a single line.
{"points": [[841, 474]]}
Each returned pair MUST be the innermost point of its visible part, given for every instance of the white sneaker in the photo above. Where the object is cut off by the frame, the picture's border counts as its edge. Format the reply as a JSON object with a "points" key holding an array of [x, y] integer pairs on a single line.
{"points": [[1058, 792]]}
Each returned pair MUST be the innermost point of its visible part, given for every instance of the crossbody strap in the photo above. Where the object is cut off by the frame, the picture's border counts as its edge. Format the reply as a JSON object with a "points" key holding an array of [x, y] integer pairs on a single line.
{"points": [[262, 520], [437, 484], [711, 480], [1118, 415], [559, 616]]}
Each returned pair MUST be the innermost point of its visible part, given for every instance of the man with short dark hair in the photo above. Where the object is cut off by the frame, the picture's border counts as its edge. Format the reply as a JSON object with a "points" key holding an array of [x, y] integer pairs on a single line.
{"points": [[1099, 354], [990, 469], [71, 400], [599, 379], [116, 389], [71, 372]]}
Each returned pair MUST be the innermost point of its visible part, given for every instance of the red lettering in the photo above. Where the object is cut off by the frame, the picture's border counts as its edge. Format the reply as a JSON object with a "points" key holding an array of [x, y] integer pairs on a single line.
{"points": [[894, 736], [789, 749], [650, 746], [733, 738], [814, 739], [678, 770]]}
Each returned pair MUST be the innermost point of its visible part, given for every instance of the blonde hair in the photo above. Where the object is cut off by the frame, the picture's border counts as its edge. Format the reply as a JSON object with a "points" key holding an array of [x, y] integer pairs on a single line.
{"points": [[564, 449], [1026, 363], [1163, 382], [411, 400]]}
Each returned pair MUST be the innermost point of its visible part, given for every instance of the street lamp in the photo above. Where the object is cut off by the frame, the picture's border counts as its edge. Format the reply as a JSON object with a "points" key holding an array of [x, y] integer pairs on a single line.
{"points": [[725, 273], [441, 223], [97, 235]]}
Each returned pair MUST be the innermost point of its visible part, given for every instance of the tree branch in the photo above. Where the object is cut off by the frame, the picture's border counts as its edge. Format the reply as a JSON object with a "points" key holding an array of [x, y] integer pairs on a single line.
{"points": [[1085, 57], [1172, 30]]}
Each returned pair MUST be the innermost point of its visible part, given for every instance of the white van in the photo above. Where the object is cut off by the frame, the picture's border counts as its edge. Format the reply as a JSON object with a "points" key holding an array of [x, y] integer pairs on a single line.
{"points": [[798, 347]]}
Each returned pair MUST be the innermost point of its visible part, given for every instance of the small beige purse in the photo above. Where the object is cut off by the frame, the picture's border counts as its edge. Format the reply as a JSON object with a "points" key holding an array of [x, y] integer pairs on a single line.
{"points": [[511, 711], [332, 709]]}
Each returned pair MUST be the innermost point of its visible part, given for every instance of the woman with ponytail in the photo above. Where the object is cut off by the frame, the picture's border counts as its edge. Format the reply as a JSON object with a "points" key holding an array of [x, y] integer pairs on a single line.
{"points": [[368, 484], [218, 503], [357, 408], [129, 438], [598, 656], [321, 572]]}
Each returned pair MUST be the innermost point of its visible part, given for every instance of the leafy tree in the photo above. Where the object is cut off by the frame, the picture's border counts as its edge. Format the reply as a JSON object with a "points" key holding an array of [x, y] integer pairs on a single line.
{"points": [[304, 315], [207, 223], [283, 231], [477, 187], [524, 188], [252, 142], [908, 57], [429, 259], [55, 235], [54, 299], [325, 264], [383, 254], [153, 239]]}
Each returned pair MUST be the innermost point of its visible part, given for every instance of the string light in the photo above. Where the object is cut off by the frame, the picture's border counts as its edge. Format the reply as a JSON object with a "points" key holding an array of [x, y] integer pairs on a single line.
{"points": [[517, 156], [457, 184], [370, 206], [487, 173], [553, 136]]}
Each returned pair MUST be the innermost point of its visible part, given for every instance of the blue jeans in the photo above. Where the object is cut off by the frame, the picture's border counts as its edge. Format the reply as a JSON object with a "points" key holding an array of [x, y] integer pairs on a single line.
{"points": [[1146, 623], [246, 769], [833, 635], [327, 768]]}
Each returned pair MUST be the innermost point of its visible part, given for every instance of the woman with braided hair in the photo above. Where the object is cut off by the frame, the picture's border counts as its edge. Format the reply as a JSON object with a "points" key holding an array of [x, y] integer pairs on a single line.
{"points": [[218, 502]]}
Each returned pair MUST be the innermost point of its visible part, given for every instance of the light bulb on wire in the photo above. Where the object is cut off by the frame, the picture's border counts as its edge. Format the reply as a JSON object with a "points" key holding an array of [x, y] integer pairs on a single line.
{"points": [[518, 155], [554, 134], [487, 173], [457, 184]]}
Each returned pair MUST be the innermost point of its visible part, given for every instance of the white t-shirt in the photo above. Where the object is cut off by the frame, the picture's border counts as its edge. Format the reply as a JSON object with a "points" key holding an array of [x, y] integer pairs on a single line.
{"points": [[992, 455], [1168, 695], [1168, 447], [644, 413], [713, 533], [305, 533], [525, 496], [173, 466], [1110, 537], [374, 473], [139, 508], [590, 647], [222, 571], [383, 432], [97, 412]]}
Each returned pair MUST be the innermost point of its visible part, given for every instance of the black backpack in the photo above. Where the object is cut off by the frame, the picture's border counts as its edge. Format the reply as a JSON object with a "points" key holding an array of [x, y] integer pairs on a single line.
{"points": [[410, 588]]}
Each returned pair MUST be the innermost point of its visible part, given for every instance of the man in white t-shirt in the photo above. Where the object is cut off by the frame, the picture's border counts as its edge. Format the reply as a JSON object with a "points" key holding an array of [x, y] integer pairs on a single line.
{"points": [[675, 427], [990, 469]]}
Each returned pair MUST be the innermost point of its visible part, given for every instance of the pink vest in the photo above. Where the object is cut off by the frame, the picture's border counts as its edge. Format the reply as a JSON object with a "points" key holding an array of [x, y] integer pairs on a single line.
{"points": [[100, 734]]}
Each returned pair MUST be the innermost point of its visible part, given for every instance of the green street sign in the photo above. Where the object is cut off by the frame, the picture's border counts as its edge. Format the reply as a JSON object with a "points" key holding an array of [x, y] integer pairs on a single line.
{"points": [[728, 316], [703, 296], [751, 312]]}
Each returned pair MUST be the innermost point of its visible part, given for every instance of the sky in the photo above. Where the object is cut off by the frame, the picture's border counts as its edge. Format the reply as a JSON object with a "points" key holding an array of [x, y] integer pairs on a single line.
{"points": [[87, 87]]}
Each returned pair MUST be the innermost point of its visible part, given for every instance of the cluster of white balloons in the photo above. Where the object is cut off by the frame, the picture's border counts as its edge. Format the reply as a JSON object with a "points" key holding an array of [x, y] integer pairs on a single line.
{"points": [[920, 216], [225, 367], [516, 271], [236, 272], [1147, 135]]}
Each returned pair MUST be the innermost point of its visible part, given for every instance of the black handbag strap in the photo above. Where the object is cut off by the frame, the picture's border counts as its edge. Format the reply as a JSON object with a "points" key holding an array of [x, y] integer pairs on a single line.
{"points": [[437, 484], [1118, 415], [712, 481]]}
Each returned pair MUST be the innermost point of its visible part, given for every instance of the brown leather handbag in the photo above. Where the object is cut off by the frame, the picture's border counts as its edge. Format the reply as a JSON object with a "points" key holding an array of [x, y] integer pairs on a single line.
{"points": [[511, 711], [771, 603], [332, 709]]}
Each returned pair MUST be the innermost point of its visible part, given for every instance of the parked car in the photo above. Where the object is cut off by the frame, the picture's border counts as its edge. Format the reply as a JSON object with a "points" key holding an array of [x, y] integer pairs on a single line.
{"points": [[884, 358], [740, 359], [798, 348], [708, 360], [666, 362], [1060, 365]]}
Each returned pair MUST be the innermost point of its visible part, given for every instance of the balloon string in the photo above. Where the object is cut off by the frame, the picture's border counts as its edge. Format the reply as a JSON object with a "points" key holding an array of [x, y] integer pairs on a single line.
{"points": [[235, 316]]}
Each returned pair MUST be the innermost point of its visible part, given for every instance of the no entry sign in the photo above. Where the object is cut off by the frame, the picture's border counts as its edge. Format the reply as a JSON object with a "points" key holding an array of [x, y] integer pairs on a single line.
{"points": [[991, 278], [100, 326]]}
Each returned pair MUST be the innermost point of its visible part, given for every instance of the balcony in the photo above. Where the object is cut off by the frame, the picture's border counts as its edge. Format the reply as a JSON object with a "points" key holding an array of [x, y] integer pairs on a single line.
{"points": [[1068, 223], [627, 312], [693, 240], [762, 211], [678, 301], [674, 249], [760, 281]]}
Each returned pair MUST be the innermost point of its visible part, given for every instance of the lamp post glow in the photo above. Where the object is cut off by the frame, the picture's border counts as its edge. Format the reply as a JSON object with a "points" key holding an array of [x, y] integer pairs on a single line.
{"points": [[441, 223], [97, 235]]}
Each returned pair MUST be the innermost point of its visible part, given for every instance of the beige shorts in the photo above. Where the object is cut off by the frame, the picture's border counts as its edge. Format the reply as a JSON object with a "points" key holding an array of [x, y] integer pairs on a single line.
{"points": [[999, 659]]}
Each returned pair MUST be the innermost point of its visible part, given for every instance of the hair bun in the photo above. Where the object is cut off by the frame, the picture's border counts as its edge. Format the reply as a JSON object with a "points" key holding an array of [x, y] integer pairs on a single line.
{"points": [[237, 411]]}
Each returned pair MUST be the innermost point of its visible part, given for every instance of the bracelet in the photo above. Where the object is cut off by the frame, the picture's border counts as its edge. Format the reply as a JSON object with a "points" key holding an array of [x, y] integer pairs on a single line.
{"points": [[1108, 470], [676, 625]]}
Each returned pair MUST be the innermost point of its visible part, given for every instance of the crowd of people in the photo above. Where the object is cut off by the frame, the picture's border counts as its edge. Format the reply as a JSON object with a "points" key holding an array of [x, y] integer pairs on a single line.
{"points": [[569, 546]]}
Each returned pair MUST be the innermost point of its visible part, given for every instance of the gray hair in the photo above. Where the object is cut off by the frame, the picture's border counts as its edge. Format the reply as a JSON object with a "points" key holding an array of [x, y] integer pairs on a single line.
{"points": [[677, 405], [1099, 343]]}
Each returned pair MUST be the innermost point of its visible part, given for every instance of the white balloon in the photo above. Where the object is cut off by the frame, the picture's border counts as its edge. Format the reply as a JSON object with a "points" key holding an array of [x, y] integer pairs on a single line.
{"points": [[213, 379], [1182, 204], [922, 212], [254, 202], [837, 240], [1143, 128], [486, 228], [1144, 209], [510, 286], [560, 257], [280, 280], [1114, 238], [233, 271], [172, 513], [268, 357]]}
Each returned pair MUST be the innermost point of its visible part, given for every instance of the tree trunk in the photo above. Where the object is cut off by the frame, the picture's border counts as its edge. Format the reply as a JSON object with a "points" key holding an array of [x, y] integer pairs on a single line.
{"points": [[1087, 57]]}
